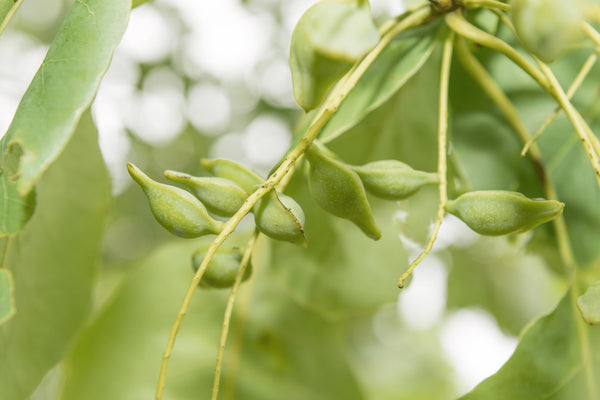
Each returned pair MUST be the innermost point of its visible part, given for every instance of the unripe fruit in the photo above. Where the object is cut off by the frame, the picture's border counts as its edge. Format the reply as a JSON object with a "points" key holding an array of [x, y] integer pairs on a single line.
{"points": [[392, 179], [339, 190], [222, 268], [280, 217], [237, 173], [499, 212], [547, 28], [220, 196], [176, 210]]}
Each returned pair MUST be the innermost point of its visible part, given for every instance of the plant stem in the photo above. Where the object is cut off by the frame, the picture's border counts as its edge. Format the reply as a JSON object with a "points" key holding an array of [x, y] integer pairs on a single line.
{"points": [[228, 312], [585, 69], [579, 124], [591, 32], [330, 106], [442, 152], [461, 26], [9, 16], [486, 4]]}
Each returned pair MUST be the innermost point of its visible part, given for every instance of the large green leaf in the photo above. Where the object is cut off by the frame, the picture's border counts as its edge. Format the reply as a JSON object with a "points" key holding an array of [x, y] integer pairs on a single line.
{"points": [[7, 301], [557, 359], [396, 64], [124, 344], [61, 90], [53, 262]]}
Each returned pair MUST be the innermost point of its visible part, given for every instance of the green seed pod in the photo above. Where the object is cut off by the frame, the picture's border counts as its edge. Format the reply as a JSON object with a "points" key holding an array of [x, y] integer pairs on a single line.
{"points": [[176, 210], [327, 40], [220, 196], [280, 217], [237, 173], [223, 267], [339, 190], [500, 212], [547, 28], [393, 180]]}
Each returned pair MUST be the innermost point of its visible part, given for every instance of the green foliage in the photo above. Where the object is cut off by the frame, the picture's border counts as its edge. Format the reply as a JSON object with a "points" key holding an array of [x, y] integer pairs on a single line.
{"points": [[53, 261], [320, 320], [7, 301], [62, 89]]}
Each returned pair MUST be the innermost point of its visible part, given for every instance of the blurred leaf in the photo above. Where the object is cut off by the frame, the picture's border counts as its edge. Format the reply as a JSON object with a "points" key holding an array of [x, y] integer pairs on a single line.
{"points": [[284, 346], [589, 304], [394, 66], [118, 356], [7, 299], [557, 359], [53, 262], [503, 279], [329, 37], [61, 90]]}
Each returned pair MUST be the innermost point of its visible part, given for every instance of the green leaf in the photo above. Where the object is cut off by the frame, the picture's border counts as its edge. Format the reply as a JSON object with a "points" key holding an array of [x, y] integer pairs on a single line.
{"points": [[7, 299], [61, 90], [589, 304], [53, 262], [123, 346], [327, 40], [395, 65], [557, 359]]}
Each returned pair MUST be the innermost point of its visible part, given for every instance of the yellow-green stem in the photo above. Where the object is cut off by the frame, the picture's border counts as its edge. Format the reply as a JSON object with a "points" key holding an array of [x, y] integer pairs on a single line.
{"points": [[10, 14], [461, 26], [486, 4], [330, 106], [577, 120], [591, 33], [583, 73], [228, 312], [442, 152]]}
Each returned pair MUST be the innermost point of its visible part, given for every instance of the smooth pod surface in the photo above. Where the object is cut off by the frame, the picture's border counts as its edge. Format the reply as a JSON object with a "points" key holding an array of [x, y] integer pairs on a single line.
{"points": [[547, 28], [222, 268], [499, 212], [329, 37], [280, 217], [176, 210], [235, 172], [339, 190], [220, 196], [392, 179]]}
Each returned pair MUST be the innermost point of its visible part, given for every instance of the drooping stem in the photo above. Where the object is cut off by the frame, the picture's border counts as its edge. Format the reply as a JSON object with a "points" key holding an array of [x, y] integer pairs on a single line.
{"points": [[583, 73], [577, 120], [229, 311], [9, 15], [461, 26], [442, 153], [486, 4], [330, 106]]}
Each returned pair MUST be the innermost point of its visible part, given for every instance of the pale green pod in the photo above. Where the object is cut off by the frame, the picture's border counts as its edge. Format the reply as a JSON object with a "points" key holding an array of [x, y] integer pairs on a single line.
{"points": [[329, 37], [392, 179], [220, 196], [589, 304], [176, 210], [235, 172], [280, 217], [499, 212], [222, 268], [547, 28], [339, 190]]}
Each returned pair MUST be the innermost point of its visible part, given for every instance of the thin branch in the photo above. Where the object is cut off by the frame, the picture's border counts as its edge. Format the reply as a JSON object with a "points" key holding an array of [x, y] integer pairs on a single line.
{"points": [[9, 15], [330, 106], [229, 311], [442, 152], [491, 4]]}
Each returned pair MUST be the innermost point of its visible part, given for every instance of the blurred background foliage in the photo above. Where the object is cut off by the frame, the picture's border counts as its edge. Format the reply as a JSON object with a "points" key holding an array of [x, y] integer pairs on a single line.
{"points": [[194, 79]]}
